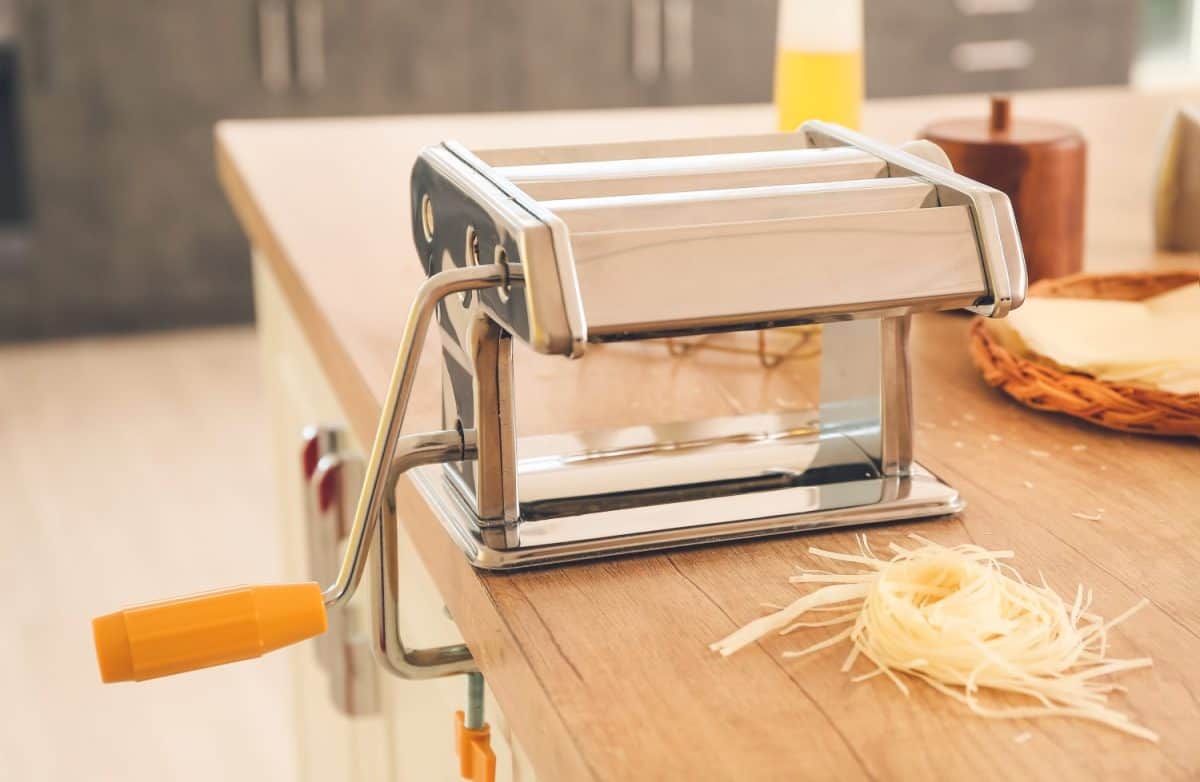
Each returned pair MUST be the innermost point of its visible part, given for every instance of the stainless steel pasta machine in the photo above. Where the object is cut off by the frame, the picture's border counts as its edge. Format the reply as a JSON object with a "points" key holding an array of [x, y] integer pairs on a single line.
{"points": [[570, 246]]}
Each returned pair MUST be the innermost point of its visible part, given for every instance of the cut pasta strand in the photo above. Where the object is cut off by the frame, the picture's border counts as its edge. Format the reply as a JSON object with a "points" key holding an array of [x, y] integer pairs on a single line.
{"points": [[962, 621]]}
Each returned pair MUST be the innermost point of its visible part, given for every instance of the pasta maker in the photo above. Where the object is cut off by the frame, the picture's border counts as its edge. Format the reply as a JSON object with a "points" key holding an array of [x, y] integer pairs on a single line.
{"points": [[626, 241], [561, 248]]}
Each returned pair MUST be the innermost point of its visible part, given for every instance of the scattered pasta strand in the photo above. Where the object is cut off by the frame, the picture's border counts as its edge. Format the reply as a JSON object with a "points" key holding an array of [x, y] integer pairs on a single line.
{"points": [[962, 621]]}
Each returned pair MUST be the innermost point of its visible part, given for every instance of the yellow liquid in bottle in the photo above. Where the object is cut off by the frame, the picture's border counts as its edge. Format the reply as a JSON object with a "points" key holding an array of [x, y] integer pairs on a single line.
{"points": [[818, 85]]}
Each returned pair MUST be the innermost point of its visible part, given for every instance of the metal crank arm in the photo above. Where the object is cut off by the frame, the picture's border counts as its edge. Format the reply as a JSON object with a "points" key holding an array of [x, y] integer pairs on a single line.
{"points": [[212, 628]]}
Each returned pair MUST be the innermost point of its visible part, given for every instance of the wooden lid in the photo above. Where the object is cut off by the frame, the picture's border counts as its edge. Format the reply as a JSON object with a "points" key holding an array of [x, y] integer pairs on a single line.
{"points": [[1000, 128]]}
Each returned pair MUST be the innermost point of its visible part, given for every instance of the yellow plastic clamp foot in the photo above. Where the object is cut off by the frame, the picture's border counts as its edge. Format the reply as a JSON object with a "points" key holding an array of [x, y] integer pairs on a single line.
{"points": [[476, 760]]}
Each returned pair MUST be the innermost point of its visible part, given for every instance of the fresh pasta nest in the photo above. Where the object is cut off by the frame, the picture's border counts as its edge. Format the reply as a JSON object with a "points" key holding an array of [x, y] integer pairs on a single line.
{"points": [[965, 623]]}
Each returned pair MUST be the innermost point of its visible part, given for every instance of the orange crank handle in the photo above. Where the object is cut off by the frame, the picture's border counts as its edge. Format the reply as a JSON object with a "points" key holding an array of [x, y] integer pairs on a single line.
{"points": [[212, 628]]}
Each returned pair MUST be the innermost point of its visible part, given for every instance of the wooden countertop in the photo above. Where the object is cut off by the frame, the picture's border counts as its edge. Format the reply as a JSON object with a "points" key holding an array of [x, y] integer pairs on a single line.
{"points": [[603, 669]]}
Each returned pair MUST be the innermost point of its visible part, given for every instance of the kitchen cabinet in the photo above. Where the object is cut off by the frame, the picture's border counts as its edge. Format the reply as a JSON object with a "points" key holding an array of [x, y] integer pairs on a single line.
{"points": [[732, 57], [718, 51], [576, 55], [465, 55], [996, 45], [376, 56], [63, 110], [129, 230]]}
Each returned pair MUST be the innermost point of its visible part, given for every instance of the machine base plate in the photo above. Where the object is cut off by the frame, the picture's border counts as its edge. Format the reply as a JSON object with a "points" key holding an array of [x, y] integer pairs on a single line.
{"points": [[530, 543]]}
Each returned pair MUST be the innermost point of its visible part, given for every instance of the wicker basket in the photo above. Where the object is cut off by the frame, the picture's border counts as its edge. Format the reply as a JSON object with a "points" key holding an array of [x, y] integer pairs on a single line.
{"points": [[1120, 406]]}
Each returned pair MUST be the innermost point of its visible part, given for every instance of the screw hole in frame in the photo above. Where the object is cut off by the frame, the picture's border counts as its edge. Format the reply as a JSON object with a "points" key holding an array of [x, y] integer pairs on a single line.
{"points": [[427, 224], [470, 258], [501, 260]]}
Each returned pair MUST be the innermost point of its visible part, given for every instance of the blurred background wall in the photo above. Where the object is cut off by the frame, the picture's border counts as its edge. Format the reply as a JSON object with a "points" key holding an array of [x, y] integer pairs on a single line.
{"points": [[111, 218]]}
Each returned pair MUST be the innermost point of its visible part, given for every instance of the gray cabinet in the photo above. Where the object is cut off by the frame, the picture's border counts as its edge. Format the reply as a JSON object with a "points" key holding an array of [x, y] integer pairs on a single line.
{"points": [[384, 56], [477, 55], [129, 227], [942, 46], [571, 55], [66, 129], [733, 57]]}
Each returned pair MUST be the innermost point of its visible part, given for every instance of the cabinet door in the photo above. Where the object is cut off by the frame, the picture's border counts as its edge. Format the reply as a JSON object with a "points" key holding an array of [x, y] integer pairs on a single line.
{"points": [[173, 69], [119, 99], [719, 51], [177, 254], [388, 57], [475, 55], [946, 46], [579, 54], [173, 62], [65, 115]]}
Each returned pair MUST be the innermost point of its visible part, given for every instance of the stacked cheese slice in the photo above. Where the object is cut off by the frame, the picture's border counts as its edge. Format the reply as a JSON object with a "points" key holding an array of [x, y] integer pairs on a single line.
{"points": [[1154, 343]]}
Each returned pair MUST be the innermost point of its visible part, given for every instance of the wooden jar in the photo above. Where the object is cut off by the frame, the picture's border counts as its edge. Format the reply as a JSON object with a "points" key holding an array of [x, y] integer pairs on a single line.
{"points": [[1040, 165]]}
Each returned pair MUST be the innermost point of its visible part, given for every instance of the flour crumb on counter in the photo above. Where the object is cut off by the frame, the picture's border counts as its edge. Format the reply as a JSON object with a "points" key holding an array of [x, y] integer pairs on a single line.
{"points": [[1021, 738], [995, 438], [1038, 453], [1028, 484], [1087, 516]]}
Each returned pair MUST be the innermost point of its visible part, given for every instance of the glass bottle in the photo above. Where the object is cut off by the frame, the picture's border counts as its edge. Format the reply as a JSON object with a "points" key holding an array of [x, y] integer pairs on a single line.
{"points": [[819, 62]]}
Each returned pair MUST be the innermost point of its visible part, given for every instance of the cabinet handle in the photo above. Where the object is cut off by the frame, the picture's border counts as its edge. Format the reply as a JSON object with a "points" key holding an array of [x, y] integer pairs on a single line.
{"points": [[980, 56], [274, 59], [345, 650], [677, 15], [978, 7], [647, 40], [317, 442], [310, 44]]}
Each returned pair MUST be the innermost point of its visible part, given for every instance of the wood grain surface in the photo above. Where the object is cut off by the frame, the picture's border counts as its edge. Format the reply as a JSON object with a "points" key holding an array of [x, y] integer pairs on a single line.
{"points": [[603, 669]]}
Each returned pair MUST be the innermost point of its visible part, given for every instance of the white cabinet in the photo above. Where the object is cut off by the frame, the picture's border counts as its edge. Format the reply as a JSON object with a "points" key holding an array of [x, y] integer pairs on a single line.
{"points": [[411, 736]]}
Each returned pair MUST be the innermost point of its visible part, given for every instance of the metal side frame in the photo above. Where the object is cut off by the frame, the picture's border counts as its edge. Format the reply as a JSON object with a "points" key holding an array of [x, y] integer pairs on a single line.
{"points": [[999, 244]]}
